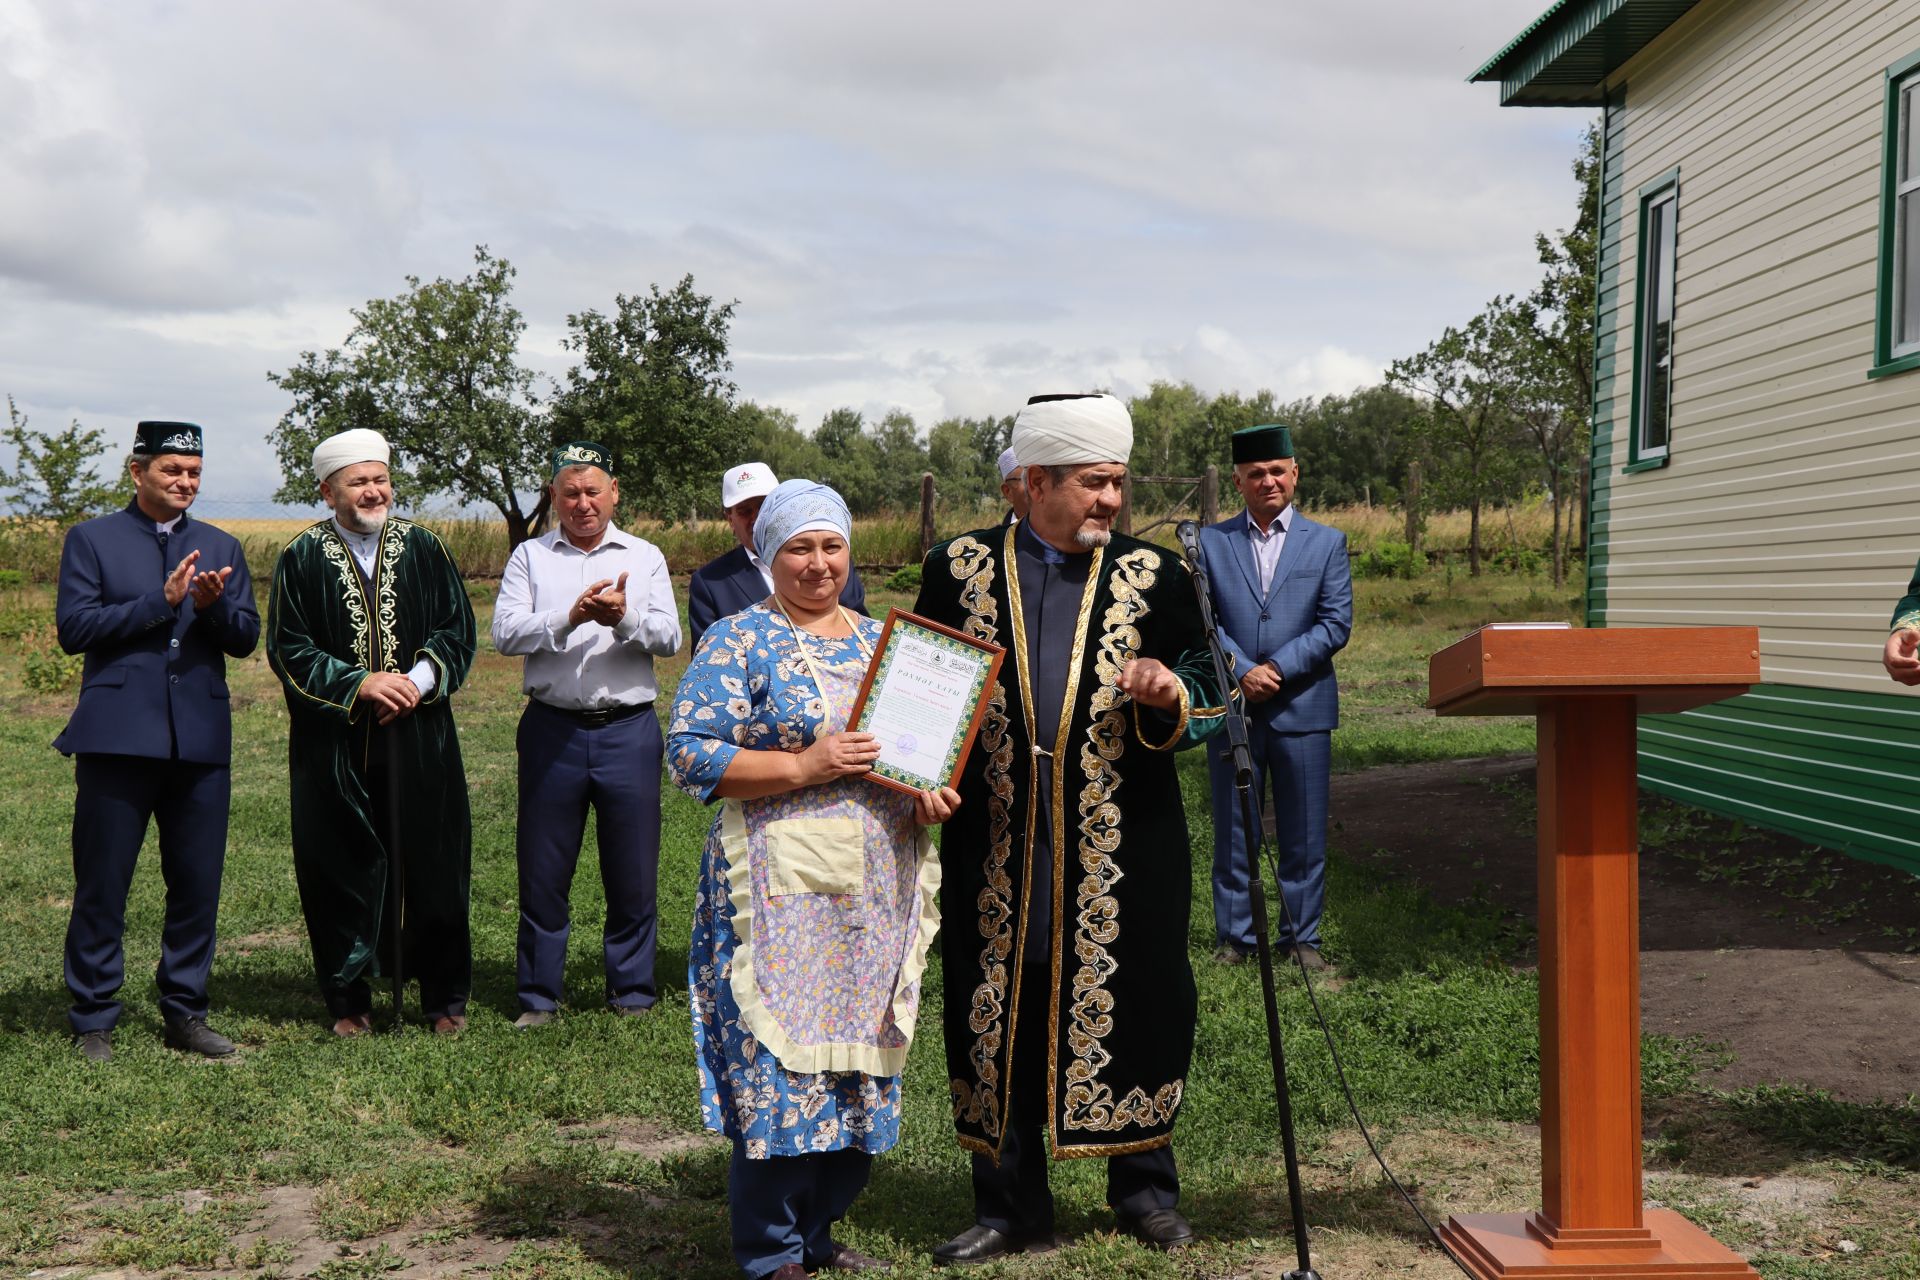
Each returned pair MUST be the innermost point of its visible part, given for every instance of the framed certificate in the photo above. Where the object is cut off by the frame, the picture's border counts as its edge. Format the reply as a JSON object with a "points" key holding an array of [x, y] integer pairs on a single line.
{"points": [[925, 692]]}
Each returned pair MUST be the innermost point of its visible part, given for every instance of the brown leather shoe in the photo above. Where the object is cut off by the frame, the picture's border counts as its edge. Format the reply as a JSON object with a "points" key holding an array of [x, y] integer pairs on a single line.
{"points": [[355, 1024], [450, 1024], [845, 1259], [789, 1271]]}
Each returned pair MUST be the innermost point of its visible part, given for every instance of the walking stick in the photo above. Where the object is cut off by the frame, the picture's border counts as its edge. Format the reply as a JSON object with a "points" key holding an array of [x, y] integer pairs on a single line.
{"points": [[1236, 726], [396, 876]]}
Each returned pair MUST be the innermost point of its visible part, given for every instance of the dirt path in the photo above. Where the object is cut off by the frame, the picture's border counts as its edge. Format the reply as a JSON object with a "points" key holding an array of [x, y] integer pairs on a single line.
{"points": [[1795, 958]]}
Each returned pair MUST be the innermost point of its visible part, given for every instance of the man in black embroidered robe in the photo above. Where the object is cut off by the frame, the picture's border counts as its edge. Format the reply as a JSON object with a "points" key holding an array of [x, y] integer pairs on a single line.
{"points": [[370, 632], [1066, 873]]}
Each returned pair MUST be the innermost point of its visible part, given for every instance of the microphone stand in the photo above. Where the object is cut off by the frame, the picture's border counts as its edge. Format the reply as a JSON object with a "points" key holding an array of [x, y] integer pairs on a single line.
{"points": [[1236, 728]]}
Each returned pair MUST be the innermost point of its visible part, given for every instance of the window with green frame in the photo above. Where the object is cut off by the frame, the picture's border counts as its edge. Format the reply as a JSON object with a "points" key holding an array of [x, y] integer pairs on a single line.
{"points": [[1896, 329], [1659, 242]]}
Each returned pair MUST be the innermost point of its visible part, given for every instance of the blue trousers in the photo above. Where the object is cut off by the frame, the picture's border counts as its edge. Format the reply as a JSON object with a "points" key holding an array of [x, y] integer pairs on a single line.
{"points": [[783, 1209], [115, 798], [1297, 767], [565, 767]]}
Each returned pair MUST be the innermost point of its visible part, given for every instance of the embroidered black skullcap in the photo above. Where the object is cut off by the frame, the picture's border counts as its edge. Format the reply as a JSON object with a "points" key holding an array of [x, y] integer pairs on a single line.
{"points": [[167, 437]]}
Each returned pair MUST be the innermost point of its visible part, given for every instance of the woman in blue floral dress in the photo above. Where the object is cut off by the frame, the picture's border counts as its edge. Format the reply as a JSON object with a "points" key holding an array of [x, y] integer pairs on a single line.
{"points": [[816, 900]]}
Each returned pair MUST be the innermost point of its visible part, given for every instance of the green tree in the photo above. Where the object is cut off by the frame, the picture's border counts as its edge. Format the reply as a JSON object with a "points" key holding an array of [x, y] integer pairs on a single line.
{"points": [[1467, 382], [773, 436], [964, 456], [1354, 449], [1558, 331], [901, 459], [849, 460], [54, 479], [652, 385], [1170, 432], [436, 370]]}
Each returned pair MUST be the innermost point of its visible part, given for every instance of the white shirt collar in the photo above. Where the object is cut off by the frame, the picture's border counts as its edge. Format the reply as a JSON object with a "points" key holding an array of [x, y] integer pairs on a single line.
{"points": [[613, 537], [354, 538], [1283, 518]]}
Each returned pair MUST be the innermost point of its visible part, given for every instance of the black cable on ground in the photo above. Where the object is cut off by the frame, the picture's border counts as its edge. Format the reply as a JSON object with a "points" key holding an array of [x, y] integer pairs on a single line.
{"points": [[1271, 859]]}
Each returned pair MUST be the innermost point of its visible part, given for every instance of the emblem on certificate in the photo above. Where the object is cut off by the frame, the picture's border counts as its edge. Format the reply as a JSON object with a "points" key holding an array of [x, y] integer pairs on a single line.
{"points": [[925, 692]]}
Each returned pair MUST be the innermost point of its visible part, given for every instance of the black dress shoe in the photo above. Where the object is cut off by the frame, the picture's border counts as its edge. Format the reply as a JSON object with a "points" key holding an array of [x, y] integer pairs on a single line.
{"points": [[980, 1243], [193, 1035], [1164, 1229], [95, 1046]]}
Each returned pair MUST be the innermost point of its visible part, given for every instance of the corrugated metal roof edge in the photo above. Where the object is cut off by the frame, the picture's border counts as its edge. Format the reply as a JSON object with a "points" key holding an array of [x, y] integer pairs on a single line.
{"points": [[1487, 72]]}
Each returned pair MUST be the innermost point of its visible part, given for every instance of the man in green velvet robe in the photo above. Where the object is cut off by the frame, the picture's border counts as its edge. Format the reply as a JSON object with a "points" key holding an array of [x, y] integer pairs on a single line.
{"points": [[370, 632], [1066, 881]]}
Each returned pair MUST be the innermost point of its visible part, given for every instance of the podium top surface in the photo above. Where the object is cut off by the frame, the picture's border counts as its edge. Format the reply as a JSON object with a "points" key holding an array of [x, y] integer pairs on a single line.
{"points": [[1499, 671]]}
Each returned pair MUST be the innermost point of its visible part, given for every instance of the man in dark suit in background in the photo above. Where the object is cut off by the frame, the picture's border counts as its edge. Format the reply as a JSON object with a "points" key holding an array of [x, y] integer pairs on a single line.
{"points": [[157, 602], [1284, 595], [729, 583]]}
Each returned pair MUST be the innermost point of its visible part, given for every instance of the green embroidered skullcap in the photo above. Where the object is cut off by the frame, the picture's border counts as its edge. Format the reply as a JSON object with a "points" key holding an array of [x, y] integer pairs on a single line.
{"points": [[1262, 443], [582, 453], [156, 438]]}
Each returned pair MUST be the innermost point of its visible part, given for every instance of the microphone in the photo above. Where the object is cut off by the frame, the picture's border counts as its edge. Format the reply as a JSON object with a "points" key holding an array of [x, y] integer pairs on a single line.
{"points": [[1189, 535]]}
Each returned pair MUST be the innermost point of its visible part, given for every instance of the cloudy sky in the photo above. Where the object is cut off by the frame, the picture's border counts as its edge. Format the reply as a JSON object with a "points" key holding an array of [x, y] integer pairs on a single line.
{"points": [[935, 208]]}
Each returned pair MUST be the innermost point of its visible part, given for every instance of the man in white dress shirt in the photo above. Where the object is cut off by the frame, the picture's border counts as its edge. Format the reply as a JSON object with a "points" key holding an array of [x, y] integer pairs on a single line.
{"points": [[589, 607]]}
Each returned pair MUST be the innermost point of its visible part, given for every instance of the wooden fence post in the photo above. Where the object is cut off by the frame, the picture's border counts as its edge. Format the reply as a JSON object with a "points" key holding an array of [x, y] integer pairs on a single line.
{"points": [[926, 513], [1124, 520], [1210, 495]]}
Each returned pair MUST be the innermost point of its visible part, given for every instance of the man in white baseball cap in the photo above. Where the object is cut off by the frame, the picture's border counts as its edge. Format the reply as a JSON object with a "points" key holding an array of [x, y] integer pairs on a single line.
{"points": [[729, 583]]}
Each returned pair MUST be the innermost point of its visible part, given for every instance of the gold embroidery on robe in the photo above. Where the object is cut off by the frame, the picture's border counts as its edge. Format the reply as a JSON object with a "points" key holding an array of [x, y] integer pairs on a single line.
{"points": [[970, 561], [393, 543], [1089, 1103], [341, 559]]}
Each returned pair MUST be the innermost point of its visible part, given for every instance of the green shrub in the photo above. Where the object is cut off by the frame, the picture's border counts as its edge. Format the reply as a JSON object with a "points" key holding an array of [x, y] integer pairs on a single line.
{"points": [[47, 668], [1520, 560], [11, 578], [1389, 559], [905, 578]]}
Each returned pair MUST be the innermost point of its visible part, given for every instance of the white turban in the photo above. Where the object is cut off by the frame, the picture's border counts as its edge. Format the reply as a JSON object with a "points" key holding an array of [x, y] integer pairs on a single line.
{"points": [[347, 448], [1077, 429], [1009, 463]]}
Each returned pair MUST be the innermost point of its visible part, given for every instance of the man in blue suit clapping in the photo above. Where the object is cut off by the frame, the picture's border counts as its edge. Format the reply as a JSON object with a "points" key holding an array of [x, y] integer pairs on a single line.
{"points": [[157, 602], [1284, 595]]}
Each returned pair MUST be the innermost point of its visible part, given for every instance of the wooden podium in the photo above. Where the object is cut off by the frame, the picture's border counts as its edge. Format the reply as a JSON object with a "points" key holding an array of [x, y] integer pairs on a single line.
{"points": [[1586, 687]]}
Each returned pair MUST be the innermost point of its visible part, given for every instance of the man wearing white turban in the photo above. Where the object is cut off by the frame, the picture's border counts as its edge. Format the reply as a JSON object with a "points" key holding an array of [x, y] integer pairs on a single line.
{"points": [[1068, 855], [370, 632]]}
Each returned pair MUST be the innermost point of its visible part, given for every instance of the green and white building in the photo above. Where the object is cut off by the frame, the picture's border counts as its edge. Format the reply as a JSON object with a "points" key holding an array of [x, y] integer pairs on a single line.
{"points": [[1756, 417]]}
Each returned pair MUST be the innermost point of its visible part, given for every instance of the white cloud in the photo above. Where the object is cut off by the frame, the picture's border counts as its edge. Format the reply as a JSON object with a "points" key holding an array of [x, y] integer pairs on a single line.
{"points": [[938, 209]]}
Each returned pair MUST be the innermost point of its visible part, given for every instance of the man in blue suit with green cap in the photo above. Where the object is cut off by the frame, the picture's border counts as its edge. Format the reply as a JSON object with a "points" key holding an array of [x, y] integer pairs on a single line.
{"points": [[1283, 593], [157, 602]]}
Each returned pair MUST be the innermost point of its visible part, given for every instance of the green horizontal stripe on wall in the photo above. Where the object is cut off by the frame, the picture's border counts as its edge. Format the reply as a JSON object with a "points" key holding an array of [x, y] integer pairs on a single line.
{"points": [[1832, 767]]}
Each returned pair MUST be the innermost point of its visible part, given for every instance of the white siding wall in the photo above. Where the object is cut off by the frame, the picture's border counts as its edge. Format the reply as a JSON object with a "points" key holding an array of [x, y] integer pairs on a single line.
{"points": [[1792, 495]]}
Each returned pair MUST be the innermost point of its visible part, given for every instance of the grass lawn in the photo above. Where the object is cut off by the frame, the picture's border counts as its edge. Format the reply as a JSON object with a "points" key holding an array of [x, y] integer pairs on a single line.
{"points": [[574, 1150]]}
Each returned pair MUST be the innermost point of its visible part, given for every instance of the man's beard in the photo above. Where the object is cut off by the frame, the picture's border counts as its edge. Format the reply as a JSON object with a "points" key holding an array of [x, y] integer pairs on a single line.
{"points": [[360, 521], [1088, 539]]}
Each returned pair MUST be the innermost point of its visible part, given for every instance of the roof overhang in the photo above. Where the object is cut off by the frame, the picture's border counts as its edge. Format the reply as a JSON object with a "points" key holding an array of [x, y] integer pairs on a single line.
{"points": [[1565, 57]]}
